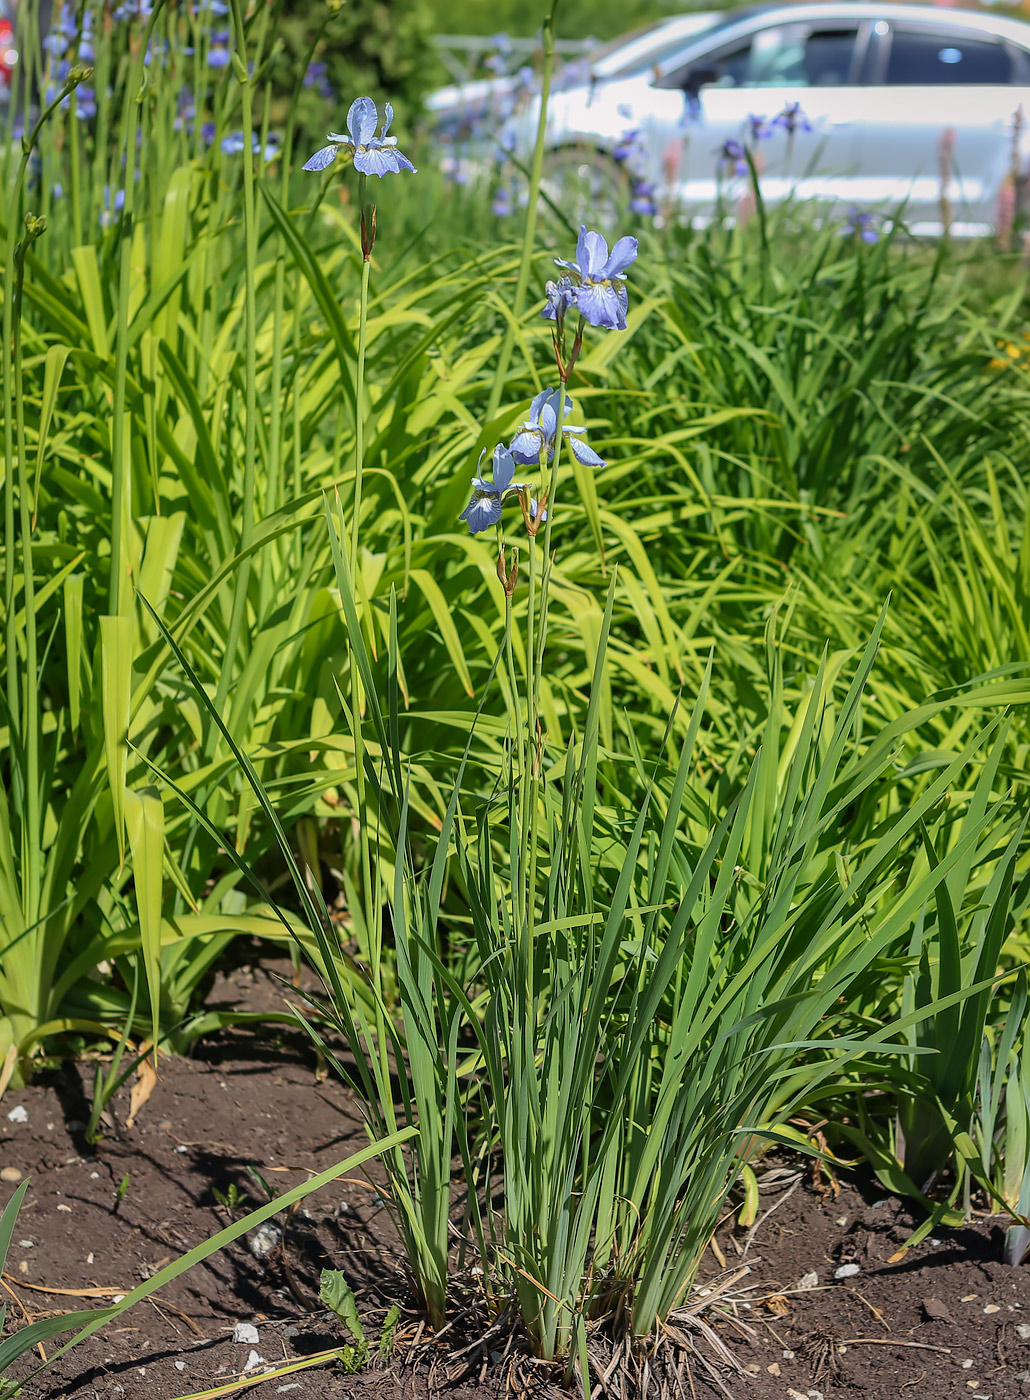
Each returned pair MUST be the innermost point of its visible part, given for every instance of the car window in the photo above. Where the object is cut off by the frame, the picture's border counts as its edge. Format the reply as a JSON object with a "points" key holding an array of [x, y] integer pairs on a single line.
{"points": [[920, 56], [788, 55]]}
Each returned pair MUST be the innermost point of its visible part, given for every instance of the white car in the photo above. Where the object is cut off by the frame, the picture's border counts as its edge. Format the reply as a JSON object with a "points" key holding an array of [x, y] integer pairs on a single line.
{"points": [[902, 105]]}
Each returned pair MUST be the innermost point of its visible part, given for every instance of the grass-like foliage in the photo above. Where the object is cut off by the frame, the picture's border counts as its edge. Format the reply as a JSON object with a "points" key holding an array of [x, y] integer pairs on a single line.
{"points": [[655, 834]]}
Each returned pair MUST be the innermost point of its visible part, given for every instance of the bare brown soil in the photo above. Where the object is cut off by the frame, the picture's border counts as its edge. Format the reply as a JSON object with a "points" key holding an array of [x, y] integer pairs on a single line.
{"points": [[945, 1321]]}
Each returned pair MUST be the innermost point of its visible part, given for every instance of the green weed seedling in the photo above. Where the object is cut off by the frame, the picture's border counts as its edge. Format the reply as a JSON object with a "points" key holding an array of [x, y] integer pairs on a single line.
{"points": [[230, 1199], [120, 1193], [338, 1296]]}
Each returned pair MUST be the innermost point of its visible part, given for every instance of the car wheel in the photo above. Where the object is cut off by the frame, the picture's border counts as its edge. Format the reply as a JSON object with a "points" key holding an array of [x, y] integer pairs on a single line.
{"points": [[586, 185]]}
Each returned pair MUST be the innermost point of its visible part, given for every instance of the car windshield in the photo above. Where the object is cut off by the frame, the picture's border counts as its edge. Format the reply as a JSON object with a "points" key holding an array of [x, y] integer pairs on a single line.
{"points": [[637, 52]]}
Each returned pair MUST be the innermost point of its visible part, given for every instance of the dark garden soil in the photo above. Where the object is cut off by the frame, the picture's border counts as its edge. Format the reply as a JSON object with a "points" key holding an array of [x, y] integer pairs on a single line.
{"points": [[948, 1320]]}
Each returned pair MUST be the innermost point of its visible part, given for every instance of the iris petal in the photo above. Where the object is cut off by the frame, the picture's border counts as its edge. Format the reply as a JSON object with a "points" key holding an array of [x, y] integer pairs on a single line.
{"points": [[584, 453], [381, 160], [481, 512], [591, 252], [362, 120], [526, 445], [601, 305], [624, 252], [321, 159]]}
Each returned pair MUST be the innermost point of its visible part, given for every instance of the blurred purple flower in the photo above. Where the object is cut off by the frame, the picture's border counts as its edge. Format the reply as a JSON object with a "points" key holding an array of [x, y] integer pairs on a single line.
{"points": [[861, 224], [234, 145], [792, 119], [628, 145], [317, 77], [758, 129], [732, 153], [642, 201], [218, 53]]}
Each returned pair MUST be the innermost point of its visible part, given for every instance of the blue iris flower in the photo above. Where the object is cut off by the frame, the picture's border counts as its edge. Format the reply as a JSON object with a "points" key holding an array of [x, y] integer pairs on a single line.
{"points": [[560, 296], [861, 224], [732, 153], [372, 154], [234, 145], [488, 497], [599, 292], [533, 444], [792, 119], [643, 199], [758, 128]]}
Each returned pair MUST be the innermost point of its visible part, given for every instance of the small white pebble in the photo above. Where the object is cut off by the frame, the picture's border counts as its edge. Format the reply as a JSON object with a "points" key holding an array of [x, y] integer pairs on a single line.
{"points": [[67, 1209], [788, 1356], [842, 1220], [180, 1365], [118, 1298], [94, 1176], [245, 1334], [934, 1241], [992, 1308], [26, 1244], [807, 1281], [1023, 1331], [282, 1389], [254, 1361], [847, 1271], [89, 1258], [18, 1114], [181, 1150], [966, 1365], [264, 1240], [50, 1127], [842, 1349]]}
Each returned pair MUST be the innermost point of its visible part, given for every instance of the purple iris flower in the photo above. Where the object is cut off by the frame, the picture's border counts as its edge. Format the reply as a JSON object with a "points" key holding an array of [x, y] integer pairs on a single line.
{"points": [[85, 102], [560, 296], [860, 224], [502, 206], [495, 62], [218, 53], [629, 144], [758, 128], [207, 132], [317, 77], [112, 205], [792, 119], [488, 497], [598, 281], [234, 145], [732, 153], [642, 201], [533, 444], [372, 154]]}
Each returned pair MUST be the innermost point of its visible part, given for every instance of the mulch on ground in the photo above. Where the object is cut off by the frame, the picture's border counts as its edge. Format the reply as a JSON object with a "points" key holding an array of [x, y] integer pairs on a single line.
{"points": [[949, 1319]]}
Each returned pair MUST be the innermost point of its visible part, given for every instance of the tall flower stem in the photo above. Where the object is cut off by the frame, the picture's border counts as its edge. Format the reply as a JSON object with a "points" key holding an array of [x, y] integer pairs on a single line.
{"points": [[529, 233], [121, 481], [535, 658], [239, 601], [367, 239], [359, 384]]}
